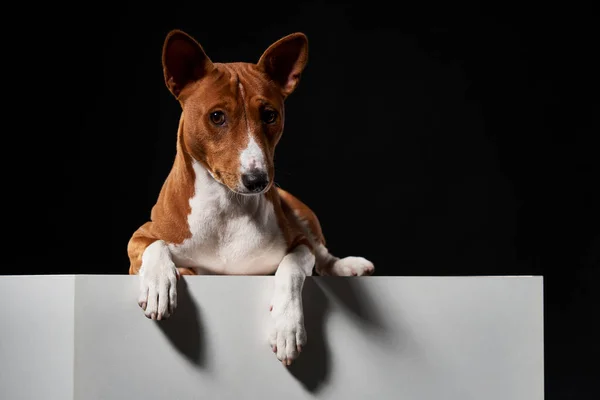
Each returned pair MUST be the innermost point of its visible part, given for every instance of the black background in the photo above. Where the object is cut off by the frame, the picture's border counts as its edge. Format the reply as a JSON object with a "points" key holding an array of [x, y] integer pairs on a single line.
{"points": [[432, 139]]}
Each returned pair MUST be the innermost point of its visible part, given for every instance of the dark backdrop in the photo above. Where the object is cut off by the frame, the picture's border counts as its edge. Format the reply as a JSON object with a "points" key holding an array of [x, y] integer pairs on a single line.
{"points": [[433, 140]]}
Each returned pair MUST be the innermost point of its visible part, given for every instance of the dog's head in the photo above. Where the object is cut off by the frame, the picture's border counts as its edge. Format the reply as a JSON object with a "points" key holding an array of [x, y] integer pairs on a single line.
{"points": [[233, 113]]}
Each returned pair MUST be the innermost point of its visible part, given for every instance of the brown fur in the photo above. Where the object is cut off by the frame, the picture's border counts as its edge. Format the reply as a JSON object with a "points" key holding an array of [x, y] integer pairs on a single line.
{"points": [[202, 86]]}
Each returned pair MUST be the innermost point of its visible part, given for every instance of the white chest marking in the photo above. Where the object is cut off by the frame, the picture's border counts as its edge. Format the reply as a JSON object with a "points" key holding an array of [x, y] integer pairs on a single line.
{"points": [[231, 234]]}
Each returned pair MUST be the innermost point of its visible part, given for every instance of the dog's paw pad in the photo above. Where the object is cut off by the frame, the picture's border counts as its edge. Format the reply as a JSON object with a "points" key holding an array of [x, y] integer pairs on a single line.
{"points": [[353, 266]]}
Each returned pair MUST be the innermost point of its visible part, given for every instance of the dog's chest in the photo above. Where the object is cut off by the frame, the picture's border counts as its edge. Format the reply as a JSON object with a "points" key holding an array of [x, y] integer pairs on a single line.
{"points": [[230, 234]]}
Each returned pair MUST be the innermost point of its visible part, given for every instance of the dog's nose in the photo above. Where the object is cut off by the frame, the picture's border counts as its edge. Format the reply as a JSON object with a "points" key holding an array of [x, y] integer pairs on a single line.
{"points": [[255, 180]]}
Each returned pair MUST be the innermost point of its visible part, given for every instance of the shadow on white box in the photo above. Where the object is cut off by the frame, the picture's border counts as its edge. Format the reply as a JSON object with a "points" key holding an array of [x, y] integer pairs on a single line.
{"points": [[84, 337]]}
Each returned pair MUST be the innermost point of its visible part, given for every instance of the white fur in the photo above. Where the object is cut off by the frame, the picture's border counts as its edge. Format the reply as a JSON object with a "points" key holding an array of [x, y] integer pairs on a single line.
{"points": [[158, 279], [231, 234], [351, 266], [252, 156], [288, 335]]}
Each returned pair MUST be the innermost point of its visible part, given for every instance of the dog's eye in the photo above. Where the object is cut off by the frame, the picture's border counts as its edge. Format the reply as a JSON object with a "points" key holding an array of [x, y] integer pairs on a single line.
{"points": [[269, 116], [217, 117]]}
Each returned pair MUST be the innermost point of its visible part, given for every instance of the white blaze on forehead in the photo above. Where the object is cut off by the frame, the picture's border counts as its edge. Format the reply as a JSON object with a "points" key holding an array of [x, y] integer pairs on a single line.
{"points": [[252, 157]]}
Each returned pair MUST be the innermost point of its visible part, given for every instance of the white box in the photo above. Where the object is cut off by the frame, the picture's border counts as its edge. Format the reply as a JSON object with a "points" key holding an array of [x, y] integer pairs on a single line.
{"points": [[84, 337]]}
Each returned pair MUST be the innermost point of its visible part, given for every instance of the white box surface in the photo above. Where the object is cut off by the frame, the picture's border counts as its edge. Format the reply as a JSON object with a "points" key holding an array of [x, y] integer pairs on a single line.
{"points": [[84, 337]]}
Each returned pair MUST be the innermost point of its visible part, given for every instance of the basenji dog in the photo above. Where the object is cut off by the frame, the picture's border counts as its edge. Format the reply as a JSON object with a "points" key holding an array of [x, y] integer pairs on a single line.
{"points": [[218, 211]]}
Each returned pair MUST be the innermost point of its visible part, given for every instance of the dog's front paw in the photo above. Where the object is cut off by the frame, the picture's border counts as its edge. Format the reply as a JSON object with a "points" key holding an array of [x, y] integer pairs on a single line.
{"points": [[352, 266], [158, 290], [288, 335]]}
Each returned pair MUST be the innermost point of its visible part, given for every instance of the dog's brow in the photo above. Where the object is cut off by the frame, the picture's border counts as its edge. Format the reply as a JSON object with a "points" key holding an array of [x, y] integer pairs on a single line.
{"points": [[264, 101], [219, 105]]}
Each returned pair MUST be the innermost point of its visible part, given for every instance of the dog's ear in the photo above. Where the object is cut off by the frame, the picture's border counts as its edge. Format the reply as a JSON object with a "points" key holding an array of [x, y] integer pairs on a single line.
{"points": [[285, 60], [184, 61]]}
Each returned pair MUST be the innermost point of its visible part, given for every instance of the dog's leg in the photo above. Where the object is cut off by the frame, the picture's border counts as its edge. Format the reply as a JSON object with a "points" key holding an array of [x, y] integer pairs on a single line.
{"points": [[328, 264], [150, 258], [158, 282], [288, 335]]}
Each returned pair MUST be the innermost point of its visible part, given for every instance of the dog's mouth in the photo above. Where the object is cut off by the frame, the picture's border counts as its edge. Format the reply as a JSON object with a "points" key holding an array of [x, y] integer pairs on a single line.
{"points": [[253, 190]]}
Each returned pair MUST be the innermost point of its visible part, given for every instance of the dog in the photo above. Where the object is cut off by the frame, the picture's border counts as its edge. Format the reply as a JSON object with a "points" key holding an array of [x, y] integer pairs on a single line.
{"points": [[218, 211]]}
